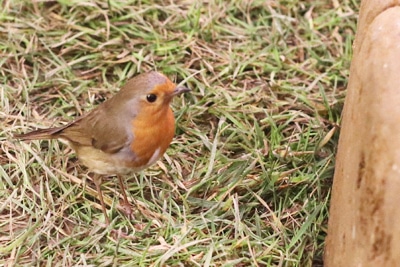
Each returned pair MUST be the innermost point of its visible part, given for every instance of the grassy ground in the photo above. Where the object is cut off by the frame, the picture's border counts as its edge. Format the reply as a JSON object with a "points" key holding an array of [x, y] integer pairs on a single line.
{"points": [[247, 179]]}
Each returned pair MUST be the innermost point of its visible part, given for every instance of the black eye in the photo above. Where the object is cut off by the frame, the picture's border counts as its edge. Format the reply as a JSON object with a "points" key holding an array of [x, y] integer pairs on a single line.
{"points": [[151, 98]]}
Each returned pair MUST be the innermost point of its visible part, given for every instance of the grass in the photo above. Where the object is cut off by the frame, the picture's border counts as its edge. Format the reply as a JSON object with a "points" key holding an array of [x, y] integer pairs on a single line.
{"points": [[246, 181]]}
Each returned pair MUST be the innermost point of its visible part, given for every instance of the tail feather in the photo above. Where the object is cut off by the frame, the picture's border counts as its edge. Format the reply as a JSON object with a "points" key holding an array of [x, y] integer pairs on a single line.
{"points": [[50, 133]]}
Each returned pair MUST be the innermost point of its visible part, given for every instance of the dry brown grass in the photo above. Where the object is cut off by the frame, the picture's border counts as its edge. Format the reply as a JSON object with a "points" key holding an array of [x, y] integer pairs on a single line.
{"points": [[246, 181]]}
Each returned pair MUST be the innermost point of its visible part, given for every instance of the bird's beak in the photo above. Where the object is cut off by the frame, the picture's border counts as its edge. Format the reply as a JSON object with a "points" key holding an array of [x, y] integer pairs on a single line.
{"points": [[180, 90]]}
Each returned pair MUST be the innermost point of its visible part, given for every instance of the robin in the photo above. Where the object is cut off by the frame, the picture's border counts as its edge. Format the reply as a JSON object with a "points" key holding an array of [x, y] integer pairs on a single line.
{"points": [[129, 132]]}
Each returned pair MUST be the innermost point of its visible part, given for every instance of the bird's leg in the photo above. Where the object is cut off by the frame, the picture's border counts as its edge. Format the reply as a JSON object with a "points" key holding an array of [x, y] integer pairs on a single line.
{"points": [[127, 208], [97, 181]]}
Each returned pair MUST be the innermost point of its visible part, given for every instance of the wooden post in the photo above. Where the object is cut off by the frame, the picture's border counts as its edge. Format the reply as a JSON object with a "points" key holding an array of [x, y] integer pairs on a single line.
{"points": [[364, 222]]}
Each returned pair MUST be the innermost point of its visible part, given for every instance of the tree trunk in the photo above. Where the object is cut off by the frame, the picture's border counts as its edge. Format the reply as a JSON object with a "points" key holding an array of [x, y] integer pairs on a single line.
{"points": [[364, 223]]}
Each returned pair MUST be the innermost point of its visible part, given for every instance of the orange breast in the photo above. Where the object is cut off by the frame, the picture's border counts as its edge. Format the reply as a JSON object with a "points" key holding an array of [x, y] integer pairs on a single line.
{"points": [[153, 132]]}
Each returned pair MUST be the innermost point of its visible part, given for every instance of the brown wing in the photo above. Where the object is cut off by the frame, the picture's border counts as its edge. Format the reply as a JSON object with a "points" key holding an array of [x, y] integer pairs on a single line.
{"points": [[100, 130], [103, 131]]}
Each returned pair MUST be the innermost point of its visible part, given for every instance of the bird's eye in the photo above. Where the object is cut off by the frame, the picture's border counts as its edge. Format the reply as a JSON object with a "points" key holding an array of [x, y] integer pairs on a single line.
{"points": [[151, 98]]}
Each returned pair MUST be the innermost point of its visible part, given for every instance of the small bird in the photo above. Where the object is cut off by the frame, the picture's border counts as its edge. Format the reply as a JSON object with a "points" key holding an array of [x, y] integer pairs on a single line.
{"points": [[127, 133]]}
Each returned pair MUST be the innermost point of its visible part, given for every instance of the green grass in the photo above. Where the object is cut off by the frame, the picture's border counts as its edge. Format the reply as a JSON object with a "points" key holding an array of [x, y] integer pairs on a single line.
{"points": [[246, 181]]}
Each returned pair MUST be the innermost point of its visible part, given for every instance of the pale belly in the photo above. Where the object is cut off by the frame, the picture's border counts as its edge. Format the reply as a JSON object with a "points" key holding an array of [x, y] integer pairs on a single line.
{"points": [[122, 162]]}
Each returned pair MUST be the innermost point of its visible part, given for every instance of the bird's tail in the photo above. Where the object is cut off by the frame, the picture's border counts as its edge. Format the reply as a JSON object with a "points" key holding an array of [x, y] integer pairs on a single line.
{"points": [[50, 133]]}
